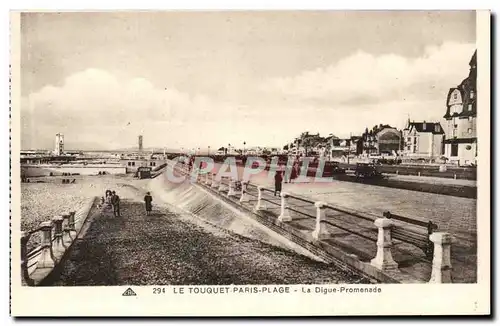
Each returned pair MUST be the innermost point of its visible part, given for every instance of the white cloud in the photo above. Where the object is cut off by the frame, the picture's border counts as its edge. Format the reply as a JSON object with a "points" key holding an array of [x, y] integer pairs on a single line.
{"points": [[363, 78], [96, 109]]}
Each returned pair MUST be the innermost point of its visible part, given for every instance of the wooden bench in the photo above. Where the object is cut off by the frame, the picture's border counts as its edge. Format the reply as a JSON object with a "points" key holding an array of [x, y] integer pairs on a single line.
{"points": [[418, 237]]}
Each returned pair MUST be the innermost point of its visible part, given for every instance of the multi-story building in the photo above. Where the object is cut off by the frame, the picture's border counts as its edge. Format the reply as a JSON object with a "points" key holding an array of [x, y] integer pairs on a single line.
{"points": [[423, 140], [356, 145], [382, 139], [460, 144]]}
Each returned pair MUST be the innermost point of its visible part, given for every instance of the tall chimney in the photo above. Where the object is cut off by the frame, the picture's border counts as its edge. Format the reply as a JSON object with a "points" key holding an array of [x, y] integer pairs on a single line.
{"points": [[140, 143]]}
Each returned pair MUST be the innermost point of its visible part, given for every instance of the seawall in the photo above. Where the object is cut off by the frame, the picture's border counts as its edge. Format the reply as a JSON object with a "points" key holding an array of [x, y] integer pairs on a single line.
{"points": [[196, 201]]}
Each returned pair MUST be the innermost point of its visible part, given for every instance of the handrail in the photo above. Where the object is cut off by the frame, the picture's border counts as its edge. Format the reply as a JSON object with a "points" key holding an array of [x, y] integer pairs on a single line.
{"points": [[407, 219], [300, 212], [33, 231], [53, 246], [351, 231], [270, 201], [302, 199], [361, 215]]}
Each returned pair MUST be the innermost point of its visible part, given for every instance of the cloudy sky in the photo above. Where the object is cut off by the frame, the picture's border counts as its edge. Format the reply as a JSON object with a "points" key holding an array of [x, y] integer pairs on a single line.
{"points": [[194, 79]]}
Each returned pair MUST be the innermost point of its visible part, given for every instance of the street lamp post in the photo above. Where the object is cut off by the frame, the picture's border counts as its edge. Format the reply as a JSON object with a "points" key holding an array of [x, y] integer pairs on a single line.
{"points": [[208, 154], [244, 143], [228, 149]]}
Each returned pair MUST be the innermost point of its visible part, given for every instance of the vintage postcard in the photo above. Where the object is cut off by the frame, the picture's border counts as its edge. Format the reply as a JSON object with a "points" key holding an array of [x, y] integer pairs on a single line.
{"points": [[250, 163]]}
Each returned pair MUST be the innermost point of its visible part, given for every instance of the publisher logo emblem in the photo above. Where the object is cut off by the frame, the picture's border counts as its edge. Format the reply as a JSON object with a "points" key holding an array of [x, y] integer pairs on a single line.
{"points": [[129, 292]]}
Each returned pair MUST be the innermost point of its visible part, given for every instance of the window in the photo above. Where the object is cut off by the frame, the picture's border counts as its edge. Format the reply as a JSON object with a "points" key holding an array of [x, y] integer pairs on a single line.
{"points": [[409, 139], [437, 128], [408, 147], [454, 149], [415, 140], [470, 118], [469, 130], [133, 163], [471, 94]]}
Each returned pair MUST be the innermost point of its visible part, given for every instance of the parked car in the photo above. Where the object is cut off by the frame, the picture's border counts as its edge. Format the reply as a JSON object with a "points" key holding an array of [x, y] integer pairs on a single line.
{"points": [[367, 170]]}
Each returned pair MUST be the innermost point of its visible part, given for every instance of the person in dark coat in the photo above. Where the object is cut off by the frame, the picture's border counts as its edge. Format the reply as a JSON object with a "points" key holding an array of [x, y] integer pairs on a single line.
{"points": [[295, 172], [278, 179], [147, 201], [115, 201]]}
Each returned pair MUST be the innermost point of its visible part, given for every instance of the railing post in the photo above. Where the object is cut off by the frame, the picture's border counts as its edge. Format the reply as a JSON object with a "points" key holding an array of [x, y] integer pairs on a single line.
{"points": [[214, 182], [207, 180], [260, 206], [383, 260], [320, 231], [221, 185], [232, 185], [244, 197], [71, 222], [67, 238], [47, 259], [25, 237], [285, 211], [58, 245], [441, 263]]}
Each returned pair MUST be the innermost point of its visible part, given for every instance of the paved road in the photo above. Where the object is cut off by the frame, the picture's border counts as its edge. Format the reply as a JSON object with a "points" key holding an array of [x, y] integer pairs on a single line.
{"points": [[434, 180], [169, 249]]}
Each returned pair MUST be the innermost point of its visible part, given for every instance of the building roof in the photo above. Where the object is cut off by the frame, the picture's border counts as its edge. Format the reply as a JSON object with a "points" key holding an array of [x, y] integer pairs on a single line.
{"points": [[468, 91], [426, 127], [473, 60]]}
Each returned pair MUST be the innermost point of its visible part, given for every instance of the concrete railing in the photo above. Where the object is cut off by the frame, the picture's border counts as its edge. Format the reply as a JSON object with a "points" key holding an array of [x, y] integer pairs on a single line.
{"points": [[382, 233], [57, 236]]}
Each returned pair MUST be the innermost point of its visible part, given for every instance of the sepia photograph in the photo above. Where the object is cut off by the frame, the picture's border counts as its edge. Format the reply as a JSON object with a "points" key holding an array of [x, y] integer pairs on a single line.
{"points": [[233, 154]]}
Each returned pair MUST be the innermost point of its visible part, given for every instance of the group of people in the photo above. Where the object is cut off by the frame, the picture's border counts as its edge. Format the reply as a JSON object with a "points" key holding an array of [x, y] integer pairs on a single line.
{"points": [[112, 200]]}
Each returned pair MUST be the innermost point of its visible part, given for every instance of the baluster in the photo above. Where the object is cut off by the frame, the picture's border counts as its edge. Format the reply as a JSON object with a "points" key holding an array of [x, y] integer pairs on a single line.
{"points": [[383, 260], [320, 231], [285, 209], [47, 259], [67, 238], [244, 196], [441, 262], [25, 237], [260, 205]]}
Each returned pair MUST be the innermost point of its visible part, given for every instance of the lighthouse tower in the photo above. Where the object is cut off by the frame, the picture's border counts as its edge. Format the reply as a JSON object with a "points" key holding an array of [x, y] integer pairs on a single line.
{"points": [[59, 144]]}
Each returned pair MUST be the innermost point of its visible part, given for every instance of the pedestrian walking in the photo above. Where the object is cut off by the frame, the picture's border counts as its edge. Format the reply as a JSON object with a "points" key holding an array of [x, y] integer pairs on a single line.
{"points": [[278, 180], [295, 172], [148, 203], [115, 201]]}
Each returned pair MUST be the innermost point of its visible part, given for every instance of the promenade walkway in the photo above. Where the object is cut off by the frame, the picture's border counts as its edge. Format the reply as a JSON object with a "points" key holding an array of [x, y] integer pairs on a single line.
{"points": [[169, 248], [451, 214], [411, 259]]}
